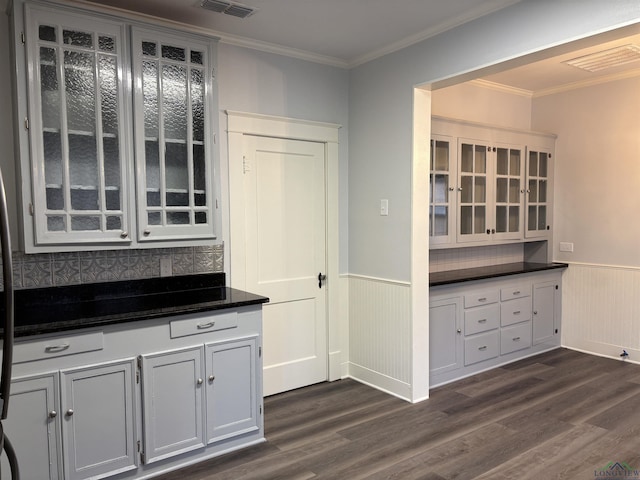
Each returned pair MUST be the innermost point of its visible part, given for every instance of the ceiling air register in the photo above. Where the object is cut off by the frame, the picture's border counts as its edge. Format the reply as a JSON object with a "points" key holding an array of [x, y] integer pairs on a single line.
{"points": [[230, 8]]}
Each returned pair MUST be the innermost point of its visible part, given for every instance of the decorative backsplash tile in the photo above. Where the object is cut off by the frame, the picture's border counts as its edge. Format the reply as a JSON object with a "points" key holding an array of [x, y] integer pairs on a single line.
{"points": [[72, 268], [470, 257]]}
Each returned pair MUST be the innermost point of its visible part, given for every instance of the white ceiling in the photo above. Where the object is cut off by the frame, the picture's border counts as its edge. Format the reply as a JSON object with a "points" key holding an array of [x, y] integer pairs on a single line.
{"points": [[347, 33], [338, 32]]}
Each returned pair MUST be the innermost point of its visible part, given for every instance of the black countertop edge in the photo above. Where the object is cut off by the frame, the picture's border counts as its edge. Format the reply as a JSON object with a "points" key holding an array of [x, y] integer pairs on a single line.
{"points": [[58, 309], [449, 277]]}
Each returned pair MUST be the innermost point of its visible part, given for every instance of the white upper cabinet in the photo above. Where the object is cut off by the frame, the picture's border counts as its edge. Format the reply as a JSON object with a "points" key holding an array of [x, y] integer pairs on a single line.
{"points": [[442, 196], [78, 128], [487, 185], [117, 147], [174, 174]]}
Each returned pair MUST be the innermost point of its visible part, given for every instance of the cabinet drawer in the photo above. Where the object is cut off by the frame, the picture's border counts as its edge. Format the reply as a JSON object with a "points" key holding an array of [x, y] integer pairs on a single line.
{"points": [[203, 324], [516, 337], [480, 298], [481, 319], [515, 291], [515, 311], [481, 347], [57, 346]]}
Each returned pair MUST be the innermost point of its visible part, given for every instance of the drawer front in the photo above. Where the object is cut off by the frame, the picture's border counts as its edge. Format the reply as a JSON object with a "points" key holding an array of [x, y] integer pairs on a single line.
{"points": [[203, 324], [481, 347], [515, 291], [481, 319], [480, 298], [516, 337], [515, 311], [57, 346]]}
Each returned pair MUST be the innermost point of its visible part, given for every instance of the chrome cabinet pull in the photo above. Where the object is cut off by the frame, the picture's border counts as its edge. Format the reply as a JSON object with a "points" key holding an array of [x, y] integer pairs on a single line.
{"points": [[69, 412], [484, 320], [211, 378], [199, 381], [202, 326], [53, 414], [56, 348], [515, 339], [484, 347]]}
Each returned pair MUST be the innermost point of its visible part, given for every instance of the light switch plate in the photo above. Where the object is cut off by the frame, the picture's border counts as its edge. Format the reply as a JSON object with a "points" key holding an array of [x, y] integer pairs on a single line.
{"points": [[566, 246], [384, 207]]}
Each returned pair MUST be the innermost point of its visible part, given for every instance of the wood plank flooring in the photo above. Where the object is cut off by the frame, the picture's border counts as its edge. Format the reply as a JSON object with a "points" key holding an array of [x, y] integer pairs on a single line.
{"points": [[559, 415]]}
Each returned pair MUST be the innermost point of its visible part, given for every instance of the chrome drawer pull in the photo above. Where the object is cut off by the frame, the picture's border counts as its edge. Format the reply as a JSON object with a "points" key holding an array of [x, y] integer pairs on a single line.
{"points": [[56, 348], [517, 292], [484, 320], [483, 299], [484, 347], [202, 326], [517, 312], [516, 339]]}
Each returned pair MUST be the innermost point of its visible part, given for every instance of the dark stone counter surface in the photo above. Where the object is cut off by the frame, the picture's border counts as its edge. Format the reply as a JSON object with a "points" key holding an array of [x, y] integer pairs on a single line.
{"points": [[56, 309], [494, 271]]}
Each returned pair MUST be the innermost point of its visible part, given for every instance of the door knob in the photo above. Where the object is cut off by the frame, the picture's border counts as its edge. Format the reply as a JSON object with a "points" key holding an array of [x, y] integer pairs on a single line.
{"points": [[321, 278]]}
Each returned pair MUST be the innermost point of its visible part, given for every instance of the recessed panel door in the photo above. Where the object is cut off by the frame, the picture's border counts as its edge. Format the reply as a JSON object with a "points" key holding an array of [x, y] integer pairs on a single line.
{"points": [[284, 188]]}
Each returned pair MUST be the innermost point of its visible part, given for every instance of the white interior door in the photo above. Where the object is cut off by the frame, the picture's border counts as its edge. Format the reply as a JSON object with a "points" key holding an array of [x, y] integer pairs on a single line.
{"points": [[285, 232]]}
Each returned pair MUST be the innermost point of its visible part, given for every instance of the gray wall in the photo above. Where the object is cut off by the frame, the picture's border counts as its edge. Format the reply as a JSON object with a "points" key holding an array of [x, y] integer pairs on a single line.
{"points": [[380, 111]]}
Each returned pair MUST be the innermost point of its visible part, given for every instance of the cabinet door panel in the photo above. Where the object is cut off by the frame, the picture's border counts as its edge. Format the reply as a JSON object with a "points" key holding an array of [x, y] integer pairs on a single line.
{"points": [[232, 407], [445, 335], [173, 399], [544, 295], [98, 420], [32, 425], [78, 127], [175, 147]]}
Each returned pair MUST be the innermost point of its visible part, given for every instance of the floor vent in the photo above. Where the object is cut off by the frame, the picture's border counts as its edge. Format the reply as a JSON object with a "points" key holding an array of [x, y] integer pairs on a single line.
{"points": [[230, 8], [613, 57]]}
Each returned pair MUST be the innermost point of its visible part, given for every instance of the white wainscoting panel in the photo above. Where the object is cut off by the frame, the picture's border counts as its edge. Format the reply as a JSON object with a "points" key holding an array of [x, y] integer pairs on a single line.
{"points": [[380, 334], [601, 310]]}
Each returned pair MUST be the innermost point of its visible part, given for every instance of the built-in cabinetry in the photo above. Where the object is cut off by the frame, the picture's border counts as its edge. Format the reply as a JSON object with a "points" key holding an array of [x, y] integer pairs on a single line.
{"points": [[115, 130], [97, 404], [488, 185], [481, 324]]}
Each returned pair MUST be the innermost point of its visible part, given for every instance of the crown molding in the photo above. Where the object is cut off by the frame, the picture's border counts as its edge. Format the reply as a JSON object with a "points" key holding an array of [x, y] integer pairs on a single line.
{"points": [[588, 83], [502, 88]]}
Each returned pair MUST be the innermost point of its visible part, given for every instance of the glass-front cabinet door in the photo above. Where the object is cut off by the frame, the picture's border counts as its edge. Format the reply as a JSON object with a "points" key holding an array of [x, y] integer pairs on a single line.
{"points": [[173, 150], [473, 191], [442, 191], [509, 167], [538, 207], [78, 128]]}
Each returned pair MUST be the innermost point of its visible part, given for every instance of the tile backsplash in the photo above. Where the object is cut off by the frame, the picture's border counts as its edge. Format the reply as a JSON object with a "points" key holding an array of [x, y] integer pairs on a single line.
{"points": [[72, 268], [470, 257]]}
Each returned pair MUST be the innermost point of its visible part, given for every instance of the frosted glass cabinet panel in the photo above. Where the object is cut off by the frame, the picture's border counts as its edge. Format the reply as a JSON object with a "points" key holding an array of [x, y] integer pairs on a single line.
{"points": [[174, 173], [78, 124]]}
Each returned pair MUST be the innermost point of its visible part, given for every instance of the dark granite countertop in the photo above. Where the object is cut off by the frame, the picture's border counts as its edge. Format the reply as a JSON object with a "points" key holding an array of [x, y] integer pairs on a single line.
{"points": [[494, 271], [56, 309]]}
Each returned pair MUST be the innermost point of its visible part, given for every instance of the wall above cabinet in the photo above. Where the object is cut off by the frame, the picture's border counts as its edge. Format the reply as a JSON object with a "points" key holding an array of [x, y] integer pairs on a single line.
{"points": [[118, 145], [489, 185]]}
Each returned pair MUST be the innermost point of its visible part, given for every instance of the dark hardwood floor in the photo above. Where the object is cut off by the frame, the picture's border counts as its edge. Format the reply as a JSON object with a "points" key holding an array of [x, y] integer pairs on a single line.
{"points": [[562, 414]]}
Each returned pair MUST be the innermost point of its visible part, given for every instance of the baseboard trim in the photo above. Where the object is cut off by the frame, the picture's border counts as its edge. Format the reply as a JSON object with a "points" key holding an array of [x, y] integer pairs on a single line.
{"points": [[380, 382]]}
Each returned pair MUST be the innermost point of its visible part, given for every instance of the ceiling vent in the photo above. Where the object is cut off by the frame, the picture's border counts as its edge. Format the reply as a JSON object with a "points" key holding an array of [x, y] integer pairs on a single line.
{"points": [[230, 8], [607, 59]]}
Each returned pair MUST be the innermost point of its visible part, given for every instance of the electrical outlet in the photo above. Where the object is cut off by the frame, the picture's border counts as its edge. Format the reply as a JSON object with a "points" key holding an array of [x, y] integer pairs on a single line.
{"points": [[566, 246], [166, 267]]}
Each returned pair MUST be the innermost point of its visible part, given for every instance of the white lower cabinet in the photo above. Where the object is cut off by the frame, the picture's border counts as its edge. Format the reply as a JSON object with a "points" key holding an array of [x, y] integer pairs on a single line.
{"points": [[505, 319], [33, 427], [98, 420], [75, 423], [149, 399], [172, 399], [445, 335], [231, 389]]}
